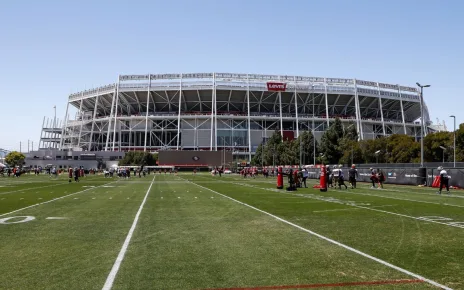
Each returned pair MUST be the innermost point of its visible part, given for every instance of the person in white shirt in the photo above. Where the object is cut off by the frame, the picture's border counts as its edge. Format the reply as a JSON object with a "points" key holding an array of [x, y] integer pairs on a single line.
{"points": [[444, 180], [305, 176]]}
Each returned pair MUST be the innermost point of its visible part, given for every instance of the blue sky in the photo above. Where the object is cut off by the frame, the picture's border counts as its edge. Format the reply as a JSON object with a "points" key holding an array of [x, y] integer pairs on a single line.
{"points": [[49, 49]]}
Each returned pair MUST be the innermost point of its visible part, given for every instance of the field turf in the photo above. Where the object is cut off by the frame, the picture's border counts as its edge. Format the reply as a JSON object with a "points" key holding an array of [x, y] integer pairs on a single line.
{"points": [[205, 232]]}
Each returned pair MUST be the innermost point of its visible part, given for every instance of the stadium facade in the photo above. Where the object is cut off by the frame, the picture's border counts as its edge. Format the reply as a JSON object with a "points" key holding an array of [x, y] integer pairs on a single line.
{"points": [[231, 111]]}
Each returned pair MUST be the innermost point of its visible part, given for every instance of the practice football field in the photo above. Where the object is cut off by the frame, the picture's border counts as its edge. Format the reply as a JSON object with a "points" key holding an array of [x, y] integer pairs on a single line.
{"points": [[211, 232]]}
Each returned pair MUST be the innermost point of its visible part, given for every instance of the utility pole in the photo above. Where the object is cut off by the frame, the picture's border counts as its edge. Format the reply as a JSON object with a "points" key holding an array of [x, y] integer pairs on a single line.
{"points": [[454, 141]]}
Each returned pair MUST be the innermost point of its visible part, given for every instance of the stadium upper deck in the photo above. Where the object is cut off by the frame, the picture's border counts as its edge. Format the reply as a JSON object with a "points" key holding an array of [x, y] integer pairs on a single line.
{"points": [[239, 111]]}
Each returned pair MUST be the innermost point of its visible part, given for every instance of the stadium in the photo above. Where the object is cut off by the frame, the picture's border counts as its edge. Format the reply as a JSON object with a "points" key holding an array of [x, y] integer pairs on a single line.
{"points": [[236, 112]]}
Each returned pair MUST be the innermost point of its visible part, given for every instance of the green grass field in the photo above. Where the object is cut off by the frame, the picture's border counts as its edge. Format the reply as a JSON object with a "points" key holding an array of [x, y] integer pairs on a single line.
{"points": [[205, 232]]}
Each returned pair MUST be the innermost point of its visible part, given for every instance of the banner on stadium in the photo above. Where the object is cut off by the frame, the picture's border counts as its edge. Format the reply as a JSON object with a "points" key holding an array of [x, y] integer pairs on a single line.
{"points": [[276, 86]]}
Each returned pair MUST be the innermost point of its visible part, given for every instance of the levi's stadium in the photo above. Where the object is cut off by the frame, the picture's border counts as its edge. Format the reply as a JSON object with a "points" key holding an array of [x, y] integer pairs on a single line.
{"points": [[236, 112]]}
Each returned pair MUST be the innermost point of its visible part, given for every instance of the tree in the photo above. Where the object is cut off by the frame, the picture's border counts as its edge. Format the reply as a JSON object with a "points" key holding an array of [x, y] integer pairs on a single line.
{"points": [[135, 158], [369, 147], [270, 148], [330, 142], [15, 158], [432, 150], [350, 132], [306, 141], [402, 149], [257, 159], [351, 152]]}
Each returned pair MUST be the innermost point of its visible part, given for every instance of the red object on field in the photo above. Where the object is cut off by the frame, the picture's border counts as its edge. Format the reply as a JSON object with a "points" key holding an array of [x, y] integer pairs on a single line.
{"points": [[436, 181], [70, 171], [280, 178], [322, 180], [317, 186]]}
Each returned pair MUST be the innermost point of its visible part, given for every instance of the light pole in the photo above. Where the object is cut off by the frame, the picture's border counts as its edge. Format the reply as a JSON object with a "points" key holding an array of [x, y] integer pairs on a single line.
{"points": [[54, 125], [314, 129], [454, 141], [444, 149], [422, 119], [377, 156]]}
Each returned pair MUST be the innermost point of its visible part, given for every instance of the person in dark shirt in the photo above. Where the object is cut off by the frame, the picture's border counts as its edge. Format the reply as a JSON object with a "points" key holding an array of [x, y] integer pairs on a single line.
{"points": [[381, 178], [352, 175]]}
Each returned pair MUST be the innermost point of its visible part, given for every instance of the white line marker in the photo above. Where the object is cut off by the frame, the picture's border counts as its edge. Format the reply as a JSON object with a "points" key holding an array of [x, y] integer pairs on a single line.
{"points": [[48, 201], [312, 196], [417, 276], [56, 218], [114, 271], [93, 197], [75, 198], [22, 190], [21, 198]]}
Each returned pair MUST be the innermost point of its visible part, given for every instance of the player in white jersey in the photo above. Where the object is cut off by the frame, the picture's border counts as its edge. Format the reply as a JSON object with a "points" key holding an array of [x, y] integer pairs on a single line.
{"points": [[444, 180]]}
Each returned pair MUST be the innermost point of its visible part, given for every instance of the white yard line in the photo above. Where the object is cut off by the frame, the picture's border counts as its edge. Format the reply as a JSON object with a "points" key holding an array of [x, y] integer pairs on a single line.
{"points": [[341, 209], [32, 188], [389, 197], [400, 198], [417, 276], [312, 196], [52, 200], [114, 271]]}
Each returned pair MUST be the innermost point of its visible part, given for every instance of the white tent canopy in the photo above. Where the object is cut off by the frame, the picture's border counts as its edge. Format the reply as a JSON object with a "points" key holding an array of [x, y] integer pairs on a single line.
{"points": [[2, 165]]}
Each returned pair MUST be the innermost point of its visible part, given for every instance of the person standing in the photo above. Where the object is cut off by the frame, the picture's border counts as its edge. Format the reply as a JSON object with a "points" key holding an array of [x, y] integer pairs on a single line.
{"points": [[444, 180], [373, 177], [305, 176], [341, 178], [381, 178], [352, 175]]}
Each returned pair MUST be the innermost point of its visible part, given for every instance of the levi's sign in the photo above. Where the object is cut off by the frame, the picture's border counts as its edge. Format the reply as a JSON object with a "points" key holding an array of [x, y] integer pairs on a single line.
{"points": [[276, 87]]}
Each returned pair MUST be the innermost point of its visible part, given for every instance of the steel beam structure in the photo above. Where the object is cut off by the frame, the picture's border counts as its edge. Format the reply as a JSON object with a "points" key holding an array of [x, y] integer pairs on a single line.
{"points": [[234, 110]]}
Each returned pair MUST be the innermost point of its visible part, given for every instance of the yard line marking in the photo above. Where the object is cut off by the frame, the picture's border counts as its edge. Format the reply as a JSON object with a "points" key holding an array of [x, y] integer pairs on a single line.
{"points": [[312, 196], [56, 218], [32, 188], [114, 271], [342, 284], [338, 209], [48, 201], [400, 198], [358, 193], [417, 276]]}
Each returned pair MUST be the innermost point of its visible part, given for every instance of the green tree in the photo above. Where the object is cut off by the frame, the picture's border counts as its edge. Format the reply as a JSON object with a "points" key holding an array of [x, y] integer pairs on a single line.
{"points": [[352, 152], [15, 158], [402, 149], [270, 152], [306, 141], [257, 159], [432, 150], [369, 147], [330, 142], [460, 143], [136, 158]]}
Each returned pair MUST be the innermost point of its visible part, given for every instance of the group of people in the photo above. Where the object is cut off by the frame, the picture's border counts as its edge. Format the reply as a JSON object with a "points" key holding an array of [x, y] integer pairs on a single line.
{"points": [[8, 171], [296, 178], [336, 177]]}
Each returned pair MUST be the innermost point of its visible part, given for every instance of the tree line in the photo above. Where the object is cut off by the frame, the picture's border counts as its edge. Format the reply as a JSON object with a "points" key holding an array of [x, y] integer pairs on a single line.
{"points": [[340, 145]]}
